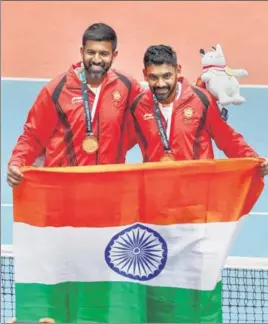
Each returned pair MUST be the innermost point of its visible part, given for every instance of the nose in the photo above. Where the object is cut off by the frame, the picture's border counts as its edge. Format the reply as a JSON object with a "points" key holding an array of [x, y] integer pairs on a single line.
{"points": [[96, 59], [160, 83]]}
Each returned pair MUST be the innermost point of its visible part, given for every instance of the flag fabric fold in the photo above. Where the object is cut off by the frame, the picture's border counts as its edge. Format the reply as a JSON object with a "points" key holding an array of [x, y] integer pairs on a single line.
{"points": [[141, 243]]}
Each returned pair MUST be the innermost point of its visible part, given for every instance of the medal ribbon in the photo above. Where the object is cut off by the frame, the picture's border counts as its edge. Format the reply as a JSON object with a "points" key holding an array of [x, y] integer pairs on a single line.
{"points": [[84, 89], [159, 122], [160, 126]]}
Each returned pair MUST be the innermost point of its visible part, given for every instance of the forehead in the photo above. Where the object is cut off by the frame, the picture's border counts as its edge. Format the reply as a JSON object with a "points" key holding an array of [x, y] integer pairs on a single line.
{"points": [[160, 69], [99, 45]]}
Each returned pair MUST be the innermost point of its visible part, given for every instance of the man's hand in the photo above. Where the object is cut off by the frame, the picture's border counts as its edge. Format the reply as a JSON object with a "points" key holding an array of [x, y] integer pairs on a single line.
{"points": [[264, 167], [47, 320], [14, 176]]}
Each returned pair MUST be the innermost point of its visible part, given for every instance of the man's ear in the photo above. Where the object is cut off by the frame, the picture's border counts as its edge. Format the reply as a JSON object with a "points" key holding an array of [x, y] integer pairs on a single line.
{"points": [[115, 53], [179, 70], [81, 51], [145, 74]]}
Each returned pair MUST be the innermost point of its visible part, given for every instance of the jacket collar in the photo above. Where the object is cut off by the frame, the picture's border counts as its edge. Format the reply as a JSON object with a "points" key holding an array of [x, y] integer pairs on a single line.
{"points": [[186, 94], [73, 81]]}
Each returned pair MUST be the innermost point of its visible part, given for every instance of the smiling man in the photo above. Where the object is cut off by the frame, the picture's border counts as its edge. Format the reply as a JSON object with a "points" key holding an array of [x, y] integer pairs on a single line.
{"points": [[81, 117], [176, 121]]}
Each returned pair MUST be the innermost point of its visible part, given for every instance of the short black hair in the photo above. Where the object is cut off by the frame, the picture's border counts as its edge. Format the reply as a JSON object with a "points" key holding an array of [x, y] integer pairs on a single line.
{"points": [[160, 54], [100, 32]]}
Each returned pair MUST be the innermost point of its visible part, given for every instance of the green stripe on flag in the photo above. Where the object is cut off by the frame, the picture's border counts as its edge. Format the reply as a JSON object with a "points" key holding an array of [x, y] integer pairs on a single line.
{"points": [[117, 302]]}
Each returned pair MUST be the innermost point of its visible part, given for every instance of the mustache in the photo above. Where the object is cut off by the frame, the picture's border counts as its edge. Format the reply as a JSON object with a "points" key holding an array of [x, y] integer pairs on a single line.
{"points": [[89, 65], [101, 64], [162, 88], [97, 64]]}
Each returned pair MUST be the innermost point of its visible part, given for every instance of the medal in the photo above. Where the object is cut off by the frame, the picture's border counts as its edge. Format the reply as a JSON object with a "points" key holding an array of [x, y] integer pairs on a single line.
{"points": [[90, 144], [167, 157], [161, 129], [229, 71]]}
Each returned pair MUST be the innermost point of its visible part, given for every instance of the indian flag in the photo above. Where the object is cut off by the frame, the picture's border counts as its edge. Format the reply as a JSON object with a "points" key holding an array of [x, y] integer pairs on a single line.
{"points": [[141, 243]]}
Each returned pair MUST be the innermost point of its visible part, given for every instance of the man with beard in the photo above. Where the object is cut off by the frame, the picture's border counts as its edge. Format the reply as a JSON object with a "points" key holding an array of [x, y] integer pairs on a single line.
{"points": [[177, 121], [81, 117]]}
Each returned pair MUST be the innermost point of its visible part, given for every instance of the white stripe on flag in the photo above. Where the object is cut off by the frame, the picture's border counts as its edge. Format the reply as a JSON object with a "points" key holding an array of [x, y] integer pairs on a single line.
{"points": [[196, 254]]}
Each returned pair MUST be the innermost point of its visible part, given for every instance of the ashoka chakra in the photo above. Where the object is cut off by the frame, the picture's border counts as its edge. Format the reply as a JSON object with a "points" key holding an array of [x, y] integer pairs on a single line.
{"points": [[138, 252]]}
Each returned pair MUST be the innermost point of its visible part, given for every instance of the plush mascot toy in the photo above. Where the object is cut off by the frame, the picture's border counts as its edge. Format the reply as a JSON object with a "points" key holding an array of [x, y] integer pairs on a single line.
{"points": [[220, 80]]}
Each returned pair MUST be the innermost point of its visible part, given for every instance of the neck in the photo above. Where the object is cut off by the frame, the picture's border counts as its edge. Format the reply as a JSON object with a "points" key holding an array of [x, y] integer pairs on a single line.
{"points": [[218, 67]]}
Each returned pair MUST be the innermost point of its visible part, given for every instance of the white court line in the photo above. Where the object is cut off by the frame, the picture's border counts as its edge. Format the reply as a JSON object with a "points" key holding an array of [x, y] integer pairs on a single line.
{"points": [[263, 86], [142, 82], [253, 213], [25, 79], [6, 250]]}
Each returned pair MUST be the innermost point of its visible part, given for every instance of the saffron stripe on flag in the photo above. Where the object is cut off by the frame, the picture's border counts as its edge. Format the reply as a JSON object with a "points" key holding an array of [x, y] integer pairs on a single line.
{"points": [[185, 192]]}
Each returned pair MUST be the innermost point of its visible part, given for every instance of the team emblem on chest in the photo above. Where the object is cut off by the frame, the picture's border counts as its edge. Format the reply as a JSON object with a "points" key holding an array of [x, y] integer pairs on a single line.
{"points": [[116, 97], [188, 114]]}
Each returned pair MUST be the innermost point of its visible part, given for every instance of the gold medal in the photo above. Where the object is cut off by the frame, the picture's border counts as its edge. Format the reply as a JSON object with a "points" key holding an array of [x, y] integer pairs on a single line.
{"points": [[90, 144], [229, 71], [167, 157]]}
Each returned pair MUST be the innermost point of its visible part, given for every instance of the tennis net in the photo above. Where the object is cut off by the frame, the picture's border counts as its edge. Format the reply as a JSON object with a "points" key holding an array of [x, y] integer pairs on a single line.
{"points": [[244, 298]]}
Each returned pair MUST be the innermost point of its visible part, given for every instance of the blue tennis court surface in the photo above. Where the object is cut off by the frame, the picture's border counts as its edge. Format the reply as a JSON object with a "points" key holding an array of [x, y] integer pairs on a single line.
{"points": [[250, 119]]}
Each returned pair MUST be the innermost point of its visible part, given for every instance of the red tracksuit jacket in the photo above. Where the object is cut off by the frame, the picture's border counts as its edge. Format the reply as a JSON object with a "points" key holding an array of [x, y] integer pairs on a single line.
{"points": [[56, 123], [195, 122]]}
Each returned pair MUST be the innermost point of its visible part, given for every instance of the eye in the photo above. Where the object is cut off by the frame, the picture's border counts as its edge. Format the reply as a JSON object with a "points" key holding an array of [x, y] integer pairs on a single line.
{"points": [[104, 54], [167, 76], [152, 77]]}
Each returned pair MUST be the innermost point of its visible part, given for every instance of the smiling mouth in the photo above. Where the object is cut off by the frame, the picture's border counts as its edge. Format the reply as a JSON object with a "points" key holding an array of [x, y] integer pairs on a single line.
{"points": [[96, 68], [161, 90]]}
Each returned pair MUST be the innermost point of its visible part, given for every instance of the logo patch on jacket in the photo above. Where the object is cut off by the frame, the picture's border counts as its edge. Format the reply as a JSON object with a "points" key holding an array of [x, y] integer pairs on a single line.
{"points": [[188, 114], [148, 116], [116, 98], [116, 95], [76, 100]]}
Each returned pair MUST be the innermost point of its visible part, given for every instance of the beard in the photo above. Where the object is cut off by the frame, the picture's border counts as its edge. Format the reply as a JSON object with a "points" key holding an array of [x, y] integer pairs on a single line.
{"points": [[161, 96], [96, 71], [165, 95]]}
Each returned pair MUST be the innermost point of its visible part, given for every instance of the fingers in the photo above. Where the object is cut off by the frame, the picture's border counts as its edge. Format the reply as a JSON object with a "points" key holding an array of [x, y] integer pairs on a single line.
{"points": [[264, 168], [15, 171], [14, 176], [264, 171], [47, 320]]}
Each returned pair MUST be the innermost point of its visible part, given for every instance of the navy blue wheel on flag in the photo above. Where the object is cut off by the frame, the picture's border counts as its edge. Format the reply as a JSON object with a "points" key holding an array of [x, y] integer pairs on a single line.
{"points": [[138, 252]]}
